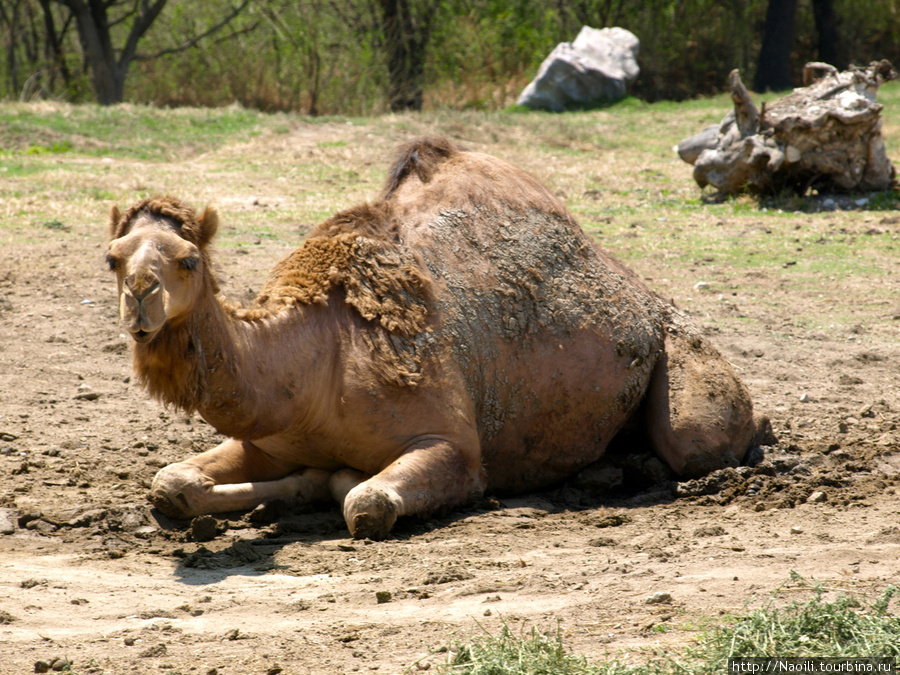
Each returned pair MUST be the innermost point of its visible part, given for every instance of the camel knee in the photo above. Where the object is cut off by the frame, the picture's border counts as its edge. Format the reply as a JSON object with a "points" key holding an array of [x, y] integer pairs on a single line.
{"points": [[370, 511], [178, 490]]}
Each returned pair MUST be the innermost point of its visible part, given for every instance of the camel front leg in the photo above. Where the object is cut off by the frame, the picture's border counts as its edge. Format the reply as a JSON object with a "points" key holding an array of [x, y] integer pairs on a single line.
{"points": [[431, 474], [233, 476]]}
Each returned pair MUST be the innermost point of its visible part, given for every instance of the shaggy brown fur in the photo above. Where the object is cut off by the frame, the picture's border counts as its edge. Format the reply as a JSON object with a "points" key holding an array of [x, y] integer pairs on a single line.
{"points": [[460, 334]]}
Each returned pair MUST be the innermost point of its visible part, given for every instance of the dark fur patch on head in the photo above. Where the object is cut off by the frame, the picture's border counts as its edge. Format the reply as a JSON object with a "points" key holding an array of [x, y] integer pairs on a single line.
{"points": [[182, 217], [420, 157]]}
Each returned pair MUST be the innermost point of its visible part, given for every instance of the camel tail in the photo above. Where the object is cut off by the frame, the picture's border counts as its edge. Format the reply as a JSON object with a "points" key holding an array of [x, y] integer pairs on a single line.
{"points": [[420, 157]]}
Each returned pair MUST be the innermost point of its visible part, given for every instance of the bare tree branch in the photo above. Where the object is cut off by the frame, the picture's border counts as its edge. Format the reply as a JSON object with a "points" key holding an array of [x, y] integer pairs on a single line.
{"points": [[193, 41], [141, 25]]}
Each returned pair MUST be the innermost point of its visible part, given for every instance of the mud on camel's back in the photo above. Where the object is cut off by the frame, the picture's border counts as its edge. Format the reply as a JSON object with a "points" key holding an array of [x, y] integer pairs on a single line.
{"points": [[459, 335]]}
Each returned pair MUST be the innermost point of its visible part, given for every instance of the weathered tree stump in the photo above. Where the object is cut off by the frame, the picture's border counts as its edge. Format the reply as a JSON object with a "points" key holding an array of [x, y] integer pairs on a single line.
{"points": [[826, 135]]}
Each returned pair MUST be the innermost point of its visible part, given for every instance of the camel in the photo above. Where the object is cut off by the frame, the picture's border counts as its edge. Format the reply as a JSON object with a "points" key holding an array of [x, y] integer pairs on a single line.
{"points": [[459, 335]]}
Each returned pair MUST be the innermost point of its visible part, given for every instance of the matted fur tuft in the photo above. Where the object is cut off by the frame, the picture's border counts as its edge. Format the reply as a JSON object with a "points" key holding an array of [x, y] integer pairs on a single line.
{"points": [[421, 157], [197, 230], [357, 251]]}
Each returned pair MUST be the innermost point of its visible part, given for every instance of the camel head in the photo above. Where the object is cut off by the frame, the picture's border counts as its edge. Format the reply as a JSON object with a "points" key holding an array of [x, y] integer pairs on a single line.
{"points": [[158, 252]]}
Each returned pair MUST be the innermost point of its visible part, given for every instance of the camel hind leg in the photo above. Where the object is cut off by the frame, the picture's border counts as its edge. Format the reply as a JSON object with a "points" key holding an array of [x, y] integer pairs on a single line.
{"points": [[698, 413]]}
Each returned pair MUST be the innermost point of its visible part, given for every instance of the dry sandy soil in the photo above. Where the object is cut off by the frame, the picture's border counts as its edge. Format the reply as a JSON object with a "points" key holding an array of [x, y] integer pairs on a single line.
{"points": [[89, 573]]}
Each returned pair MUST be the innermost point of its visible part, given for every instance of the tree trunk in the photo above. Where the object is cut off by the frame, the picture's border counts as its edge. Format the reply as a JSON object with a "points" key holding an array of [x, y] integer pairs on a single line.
{"points": [[54, 43], [108, 71], [99, 55], [826, 33], [773, 69], [405, 42]]}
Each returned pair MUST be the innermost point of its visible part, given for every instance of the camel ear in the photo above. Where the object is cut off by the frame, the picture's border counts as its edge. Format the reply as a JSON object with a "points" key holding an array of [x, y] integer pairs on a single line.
{"points": [[114, 217], [209, 225]]}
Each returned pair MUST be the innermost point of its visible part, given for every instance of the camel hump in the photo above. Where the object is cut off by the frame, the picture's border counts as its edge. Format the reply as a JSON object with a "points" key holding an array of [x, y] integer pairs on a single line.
{"points": [[421, 157]]}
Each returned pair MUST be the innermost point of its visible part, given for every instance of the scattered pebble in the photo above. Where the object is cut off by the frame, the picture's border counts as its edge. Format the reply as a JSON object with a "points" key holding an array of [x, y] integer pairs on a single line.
{"points": [[154, 651], [816, 497], [8, 518], [61, 664], [204, 528], [796, 529], [804, 398], [382, 597], [658, 598]]}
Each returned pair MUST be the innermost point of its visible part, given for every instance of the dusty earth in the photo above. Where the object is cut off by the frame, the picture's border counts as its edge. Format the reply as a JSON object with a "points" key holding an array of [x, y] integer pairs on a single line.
{"points": [[90, 574]]}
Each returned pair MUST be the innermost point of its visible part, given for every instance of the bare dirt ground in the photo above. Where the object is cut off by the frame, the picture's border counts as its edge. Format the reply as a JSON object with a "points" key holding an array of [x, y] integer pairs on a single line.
{"points": [[89, 573]]}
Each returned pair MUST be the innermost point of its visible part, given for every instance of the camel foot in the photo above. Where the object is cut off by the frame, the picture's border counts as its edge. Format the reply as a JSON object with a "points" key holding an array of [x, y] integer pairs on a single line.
{"points": [[370, 513], [163, 502]]}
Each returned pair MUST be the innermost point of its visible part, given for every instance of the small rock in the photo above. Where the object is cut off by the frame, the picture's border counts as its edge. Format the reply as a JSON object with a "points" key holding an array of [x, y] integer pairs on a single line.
{"points": [[658, 598], [204, 528], [61, 664], [702, 286], [709, 531], [796, 529], [129, 642], [87, 396], [804, 398], [8, 518], [816, 497], [41, 667], [383, 596], [602, 541], [28, 516], [488, 612], [154, 651], [41, 526]]}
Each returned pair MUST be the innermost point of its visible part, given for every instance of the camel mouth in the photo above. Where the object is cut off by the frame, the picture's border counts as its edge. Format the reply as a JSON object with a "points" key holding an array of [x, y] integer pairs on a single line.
{"points": [[142, 336]]}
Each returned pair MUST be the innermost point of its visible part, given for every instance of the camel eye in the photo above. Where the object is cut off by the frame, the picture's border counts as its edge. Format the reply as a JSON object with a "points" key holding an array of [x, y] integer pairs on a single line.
{"points": [[189, 264], [112, 261]]}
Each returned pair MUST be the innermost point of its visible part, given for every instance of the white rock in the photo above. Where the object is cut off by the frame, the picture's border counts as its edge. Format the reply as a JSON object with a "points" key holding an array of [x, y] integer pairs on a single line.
{"points": [[596, 68]]}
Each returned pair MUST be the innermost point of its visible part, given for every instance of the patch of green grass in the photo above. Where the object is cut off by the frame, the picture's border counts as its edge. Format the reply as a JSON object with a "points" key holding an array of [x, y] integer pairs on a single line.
{"points": [[140, 132], [846, 626], [52, 149], [19, 168], [506, 654]]}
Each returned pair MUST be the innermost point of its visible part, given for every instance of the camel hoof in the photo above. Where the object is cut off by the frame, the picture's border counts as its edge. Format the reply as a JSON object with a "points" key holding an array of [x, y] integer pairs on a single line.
{"points": [[163, 502], [370, 514]]}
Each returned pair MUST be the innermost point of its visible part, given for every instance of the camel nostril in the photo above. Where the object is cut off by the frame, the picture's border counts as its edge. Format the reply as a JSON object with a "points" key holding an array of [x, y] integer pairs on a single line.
{"points": [[139, 291]]}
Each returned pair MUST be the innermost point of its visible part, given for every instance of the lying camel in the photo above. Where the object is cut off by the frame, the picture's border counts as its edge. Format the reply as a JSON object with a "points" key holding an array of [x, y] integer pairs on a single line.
{"points": [[460, 335]]}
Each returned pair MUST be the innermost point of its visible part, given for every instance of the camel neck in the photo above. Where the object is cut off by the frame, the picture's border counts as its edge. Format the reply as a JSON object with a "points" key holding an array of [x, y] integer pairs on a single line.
{"points": [[243, 376]]}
